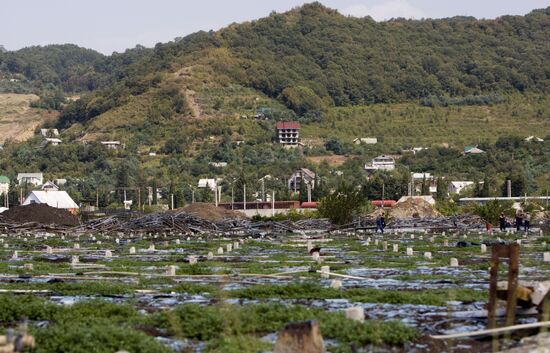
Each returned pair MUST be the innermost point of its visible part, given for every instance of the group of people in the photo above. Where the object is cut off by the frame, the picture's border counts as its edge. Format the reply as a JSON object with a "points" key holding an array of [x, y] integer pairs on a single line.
{"points": [[522, 219]]}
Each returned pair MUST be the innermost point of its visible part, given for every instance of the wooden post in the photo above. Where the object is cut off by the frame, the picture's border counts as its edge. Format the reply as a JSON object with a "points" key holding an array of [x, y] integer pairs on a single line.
{"points": [[512, 253], [513, 270]]}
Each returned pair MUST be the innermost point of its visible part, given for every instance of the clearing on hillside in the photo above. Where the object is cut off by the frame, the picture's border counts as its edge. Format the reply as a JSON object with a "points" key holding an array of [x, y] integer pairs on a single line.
{"points": [[17, 119]]}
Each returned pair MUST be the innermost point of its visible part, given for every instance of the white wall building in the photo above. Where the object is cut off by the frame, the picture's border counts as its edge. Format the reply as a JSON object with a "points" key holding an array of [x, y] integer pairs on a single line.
{"points": [[382, 162], [456, 187], [36, 179], [52, 198]]}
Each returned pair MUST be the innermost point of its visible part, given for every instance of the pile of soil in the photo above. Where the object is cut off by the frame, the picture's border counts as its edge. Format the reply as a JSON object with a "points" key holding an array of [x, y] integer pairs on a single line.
{"points": [[210, 212], [40, 213], [414, 208]]}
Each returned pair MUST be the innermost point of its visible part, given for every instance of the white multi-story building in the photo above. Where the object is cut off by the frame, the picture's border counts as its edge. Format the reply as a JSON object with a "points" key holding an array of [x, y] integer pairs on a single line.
{"points": [[288, 133], [382, 162]]}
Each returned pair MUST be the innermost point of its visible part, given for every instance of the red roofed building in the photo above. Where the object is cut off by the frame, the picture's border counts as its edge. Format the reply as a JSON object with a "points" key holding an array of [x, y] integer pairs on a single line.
{"points": [[288, 133]]}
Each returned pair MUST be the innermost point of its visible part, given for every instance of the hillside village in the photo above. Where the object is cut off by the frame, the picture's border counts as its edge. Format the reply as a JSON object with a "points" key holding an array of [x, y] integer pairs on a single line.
{"points": [[313, 181]]}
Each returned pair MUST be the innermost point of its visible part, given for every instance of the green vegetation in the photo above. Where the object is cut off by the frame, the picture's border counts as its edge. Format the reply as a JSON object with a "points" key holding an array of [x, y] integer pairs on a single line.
{"points": [[342, 205], [441, 84]]}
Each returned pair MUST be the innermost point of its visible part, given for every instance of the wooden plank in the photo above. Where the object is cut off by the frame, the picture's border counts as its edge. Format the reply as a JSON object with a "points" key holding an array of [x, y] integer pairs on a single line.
{"points": [[492, 331]]}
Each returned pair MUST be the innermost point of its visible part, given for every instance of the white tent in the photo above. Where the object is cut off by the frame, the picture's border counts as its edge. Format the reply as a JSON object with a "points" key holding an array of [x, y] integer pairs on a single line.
{"points": [[53, 198]]}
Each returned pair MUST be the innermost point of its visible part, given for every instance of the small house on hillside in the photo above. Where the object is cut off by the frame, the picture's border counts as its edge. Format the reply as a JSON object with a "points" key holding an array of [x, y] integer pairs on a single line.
{"points": [[207, 183], [365, 140], [30, 178], [473, 150], [382, 162], [533, 139], [296, 178], [421, 176], [288, 133], [49, 133], [112, 145], [52, 141], [53, 198], [456, 187]]}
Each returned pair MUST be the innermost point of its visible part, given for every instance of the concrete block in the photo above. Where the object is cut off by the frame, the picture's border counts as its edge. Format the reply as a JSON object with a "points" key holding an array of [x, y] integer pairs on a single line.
{"points": [[171, 270], [152, 247], [210, 255], [483, 248], [356, 313], [178, 242], [236, 245], [28, 267], [428, 255], [108, 253], [410, 251], [454, 262], [192, 260], [325, 272], [546, 257], [315, 256], [385, 246], [335, 284], [15, 255], [76, 246], [229, 247], [132, 250], [395, 248], [309, 245], [220, 251], [445, 243], [74, 260], [49, 250]]}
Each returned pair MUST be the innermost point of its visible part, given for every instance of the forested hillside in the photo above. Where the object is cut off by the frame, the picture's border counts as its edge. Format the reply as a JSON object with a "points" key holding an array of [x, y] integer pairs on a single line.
{"points": [[179, 106]]}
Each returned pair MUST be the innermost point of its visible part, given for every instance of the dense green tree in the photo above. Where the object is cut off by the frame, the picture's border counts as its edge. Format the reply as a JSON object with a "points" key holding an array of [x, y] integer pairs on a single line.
{"points": [[342, 205]]}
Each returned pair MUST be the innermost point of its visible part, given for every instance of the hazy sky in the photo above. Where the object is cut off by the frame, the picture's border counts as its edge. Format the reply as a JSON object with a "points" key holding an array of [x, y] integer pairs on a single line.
{"points": [[114, 25]]}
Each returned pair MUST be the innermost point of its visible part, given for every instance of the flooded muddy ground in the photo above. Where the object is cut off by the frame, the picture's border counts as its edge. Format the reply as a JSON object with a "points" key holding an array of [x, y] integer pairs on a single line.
{"points": [[403, 279]]}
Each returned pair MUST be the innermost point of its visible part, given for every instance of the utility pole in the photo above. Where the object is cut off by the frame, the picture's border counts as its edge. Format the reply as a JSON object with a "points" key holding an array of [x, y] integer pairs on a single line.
{"points": [[96, 198], [244, 196], [172, 200], [273, 204]]}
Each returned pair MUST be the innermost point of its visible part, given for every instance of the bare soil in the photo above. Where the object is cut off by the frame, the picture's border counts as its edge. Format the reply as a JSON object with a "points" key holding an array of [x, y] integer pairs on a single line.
{"points": [[212, 213], [40, 213], [18, 121]]}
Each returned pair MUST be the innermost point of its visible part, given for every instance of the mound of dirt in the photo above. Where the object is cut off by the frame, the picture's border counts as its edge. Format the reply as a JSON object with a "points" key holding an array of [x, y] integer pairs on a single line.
{"points": [[414, 208], [210, 212], [40, 213]]}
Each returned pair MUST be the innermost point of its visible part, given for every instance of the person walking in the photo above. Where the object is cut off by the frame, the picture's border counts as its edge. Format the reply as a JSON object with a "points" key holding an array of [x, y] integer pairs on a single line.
{"points": [[380, 223], [526, 221], [502, 222], [519, 220]]}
